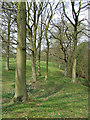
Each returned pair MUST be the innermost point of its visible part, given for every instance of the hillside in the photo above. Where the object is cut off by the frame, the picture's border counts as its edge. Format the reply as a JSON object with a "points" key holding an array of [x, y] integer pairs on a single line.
{"points": [[55, 98]]}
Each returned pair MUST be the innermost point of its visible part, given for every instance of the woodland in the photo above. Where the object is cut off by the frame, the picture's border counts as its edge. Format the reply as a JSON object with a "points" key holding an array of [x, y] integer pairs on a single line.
{"points": [[44, 54]]}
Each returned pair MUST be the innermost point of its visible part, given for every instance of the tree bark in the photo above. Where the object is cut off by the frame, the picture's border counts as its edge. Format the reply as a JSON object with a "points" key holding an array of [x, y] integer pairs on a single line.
{"points": [[65, 73], [32, 43], [20, 86], [39, 73], [74, 70], [47, 58], [8, 42], [33, 67], [34, 76], [65, 59], [74, 56], [59, 65]]}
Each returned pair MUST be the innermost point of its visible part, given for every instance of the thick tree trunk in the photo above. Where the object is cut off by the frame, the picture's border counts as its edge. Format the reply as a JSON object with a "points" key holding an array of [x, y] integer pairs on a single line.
{"points": [[20, 86], [74, 70], [74, 57], [7, 50]]}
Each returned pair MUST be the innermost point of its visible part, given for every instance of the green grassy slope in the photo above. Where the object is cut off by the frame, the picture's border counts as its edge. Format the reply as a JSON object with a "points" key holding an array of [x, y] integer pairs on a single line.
{"points": [[55, 98]]}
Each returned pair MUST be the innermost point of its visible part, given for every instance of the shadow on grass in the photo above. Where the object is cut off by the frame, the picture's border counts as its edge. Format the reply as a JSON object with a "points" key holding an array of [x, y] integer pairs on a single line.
{"points": [[10, 107], [8, 95], [17, 106], [50, 87]]}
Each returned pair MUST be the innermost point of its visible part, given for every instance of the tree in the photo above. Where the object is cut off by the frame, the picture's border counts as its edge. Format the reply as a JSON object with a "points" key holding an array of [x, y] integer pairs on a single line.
{"points": [[59, 33], [8, 18], [56, 54], [40, 38], [32, 23], [20, 86], [7, 51], [75, 23], [47, 23]]}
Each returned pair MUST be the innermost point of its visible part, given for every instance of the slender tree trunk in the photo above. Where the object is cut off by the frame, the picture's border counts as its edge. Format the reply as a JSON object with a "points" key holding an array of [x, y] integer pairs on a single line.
{"points": [[33, 59], [33, 67], [34, 76], [70, 62], [33, 44], [70, 67], [46, 77], [47, 26], [47, 58], [7, 50], [20, 86], [74, 57], [59, 65], [65, 59], [39, 73], [65, 73]]}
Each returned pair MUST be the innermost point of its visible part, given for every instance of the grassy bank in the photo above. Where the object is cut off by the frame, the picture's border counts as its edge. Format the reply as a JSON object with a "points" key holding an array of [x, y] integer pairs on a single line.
{"points": [[55, 98]]}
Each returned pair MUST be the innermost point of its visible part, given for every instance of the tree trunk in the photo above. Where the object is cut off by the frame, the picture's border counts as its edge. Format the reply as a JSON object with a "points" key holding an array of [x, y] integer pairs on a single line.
{"points": [[33, 67], [39, 73], [20, 86], [46, 77], [70, 67], [7, 50], [65, 73], [70, 62], [65, 59], [59, 65], [34, 76], [33, 43], [74, 70], [74, 57]]}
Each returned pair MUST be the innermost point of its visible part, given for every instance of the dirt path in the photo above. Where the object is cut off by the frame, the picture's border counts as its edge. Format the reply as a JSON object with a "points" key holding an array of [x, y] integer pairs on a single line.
{"points": [[37, 105]]}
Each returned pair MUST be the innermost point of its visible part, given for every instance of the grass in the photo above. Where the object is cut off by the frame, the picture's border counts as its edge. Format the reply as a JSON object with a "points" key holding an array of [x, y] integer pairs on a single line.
{"points": [[55, 98]]}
